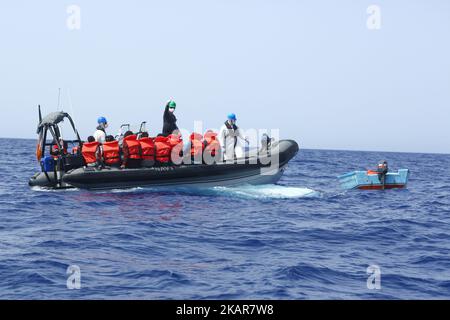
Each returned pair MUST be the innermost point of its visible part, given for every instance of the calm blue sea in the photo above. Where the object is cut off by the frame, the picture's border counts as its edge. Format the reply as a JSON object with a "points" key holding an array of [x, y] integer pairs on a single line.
{"points": [[301, 239]]}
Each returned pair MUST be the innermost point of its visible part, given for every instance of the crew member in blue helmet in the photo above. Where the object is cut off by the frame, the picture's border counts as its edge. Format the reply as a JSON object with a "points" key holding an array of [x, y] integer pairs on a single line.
{"points": [[228, 138], [100, 134]]}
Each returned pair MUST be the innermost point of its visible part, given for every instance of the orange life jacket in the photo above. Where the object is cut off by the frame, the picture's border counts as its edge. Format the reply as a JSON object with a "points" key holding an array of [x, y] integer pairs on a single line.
{"points": [[134, 147], [196, 144], [89, 152], [176, 144], [111, 153], [212, 145], [175, 140], [163, 149], [148, 148]]}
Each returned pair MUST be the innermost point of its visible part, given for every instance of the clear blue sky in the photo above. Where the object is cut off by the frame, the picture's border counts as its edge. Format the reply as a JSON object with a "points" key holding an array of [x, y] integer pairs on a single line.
{"points": [[311, 68]]}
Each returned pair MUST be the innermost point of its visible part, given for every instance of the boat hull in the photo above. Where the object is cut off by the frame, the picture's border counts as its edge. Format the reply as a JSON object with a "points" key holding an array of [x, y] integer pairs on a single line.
{"points": [[183, 176], [365, 181]]}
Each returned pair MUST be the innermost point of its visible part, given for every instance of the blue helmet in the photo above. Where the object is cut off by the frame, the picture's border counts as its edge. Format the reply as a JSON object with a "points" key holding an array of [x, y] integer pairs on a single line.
{"points": [[232, 116], [102, 120]]}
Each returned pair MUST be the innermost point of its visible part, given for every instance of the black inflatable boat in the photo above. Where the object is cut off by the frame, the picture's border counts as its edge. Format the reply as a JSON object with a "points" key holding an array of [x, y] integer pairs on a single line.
{"points": [[68, 171]]}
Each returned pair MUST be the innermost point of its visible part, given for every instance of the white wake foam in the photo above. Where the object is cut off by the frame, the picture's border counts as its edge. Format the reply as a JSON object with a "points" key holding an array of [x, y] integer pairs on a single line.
{"points": [[43, 189], [270, 191]]}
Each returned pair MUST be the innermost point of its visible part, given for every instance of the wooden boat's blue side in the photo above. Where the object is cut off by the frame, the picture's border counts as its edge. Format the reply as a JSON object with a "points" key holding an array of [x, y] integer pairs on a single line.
{"points": [[366, 181]]}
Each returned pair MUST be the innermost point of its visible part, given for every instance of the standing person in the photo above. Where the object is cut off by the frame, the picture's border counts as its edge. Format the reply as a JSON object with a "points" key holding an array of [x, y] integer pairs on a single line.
{"points": [[170, 121], [100, 134], [228, 138]]}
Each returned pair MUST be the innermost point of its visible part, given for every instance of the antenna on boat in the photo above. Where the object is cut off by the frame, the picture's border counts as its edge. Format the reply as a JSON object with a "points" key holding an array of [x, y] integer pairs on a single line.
{"points": [[40, 114], [72, 112], [59, 99]]}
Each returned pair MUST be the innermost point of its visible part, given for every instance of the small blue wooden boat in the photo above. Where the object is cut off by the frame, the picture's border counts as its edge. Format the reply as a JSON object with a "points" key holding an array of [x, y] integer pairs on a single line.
{"points": [[369, 180]]}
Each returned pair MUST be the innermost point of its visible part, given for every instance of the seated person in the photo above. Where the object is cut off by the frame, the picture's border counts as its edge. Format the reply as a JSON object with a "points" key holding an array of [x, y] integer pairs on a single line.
{"points": [[54, 150], [132, 152], [212, 149], [111, 152], [91, 152], [75, 150], [163, 149], [176, 146], [196, 147], [148, 150]]}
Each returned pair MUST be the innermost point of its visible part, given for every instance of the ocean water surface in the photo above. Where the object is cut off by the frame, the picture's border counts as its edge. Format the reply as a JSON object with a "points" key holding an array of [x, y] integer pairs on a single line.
{"points": [[303, 238]]}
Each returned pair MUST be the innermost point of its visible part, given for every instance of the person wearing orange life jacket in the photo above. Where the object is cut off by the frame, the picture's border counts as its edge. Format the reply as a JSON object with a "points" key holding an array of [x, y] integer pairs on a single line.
{"points": [[163, 149], [195, 147], [211, 147], [91, 152], [132, 152], [148, 150], [111, 152], [176, 144]]}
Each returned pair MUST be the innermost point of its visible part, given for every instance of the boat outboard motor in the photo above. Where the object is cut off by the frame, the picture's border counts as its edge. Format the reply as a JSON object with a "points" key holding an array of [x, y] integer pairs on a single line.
{"points": [[383, 167], [382, 170]]}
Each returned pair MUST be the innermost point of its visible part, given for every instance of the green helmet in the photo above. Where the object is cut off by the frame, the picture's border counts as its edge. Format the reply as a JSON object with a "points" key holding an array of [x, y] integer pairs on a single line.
{"points": [[172, 104]]}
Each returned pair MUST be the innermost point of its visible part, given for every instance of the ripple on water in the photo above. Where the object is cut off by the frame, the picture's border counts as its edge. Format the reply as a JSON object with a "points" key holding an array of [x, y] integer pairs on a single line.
{"points": [[303, 238]]}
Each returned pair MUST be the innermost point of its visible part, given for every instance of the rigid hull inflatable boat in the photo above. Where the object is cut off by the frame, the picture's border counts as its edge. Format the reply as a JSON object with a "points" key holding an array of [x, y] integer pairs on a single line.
{"points": [[69, 171]]}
